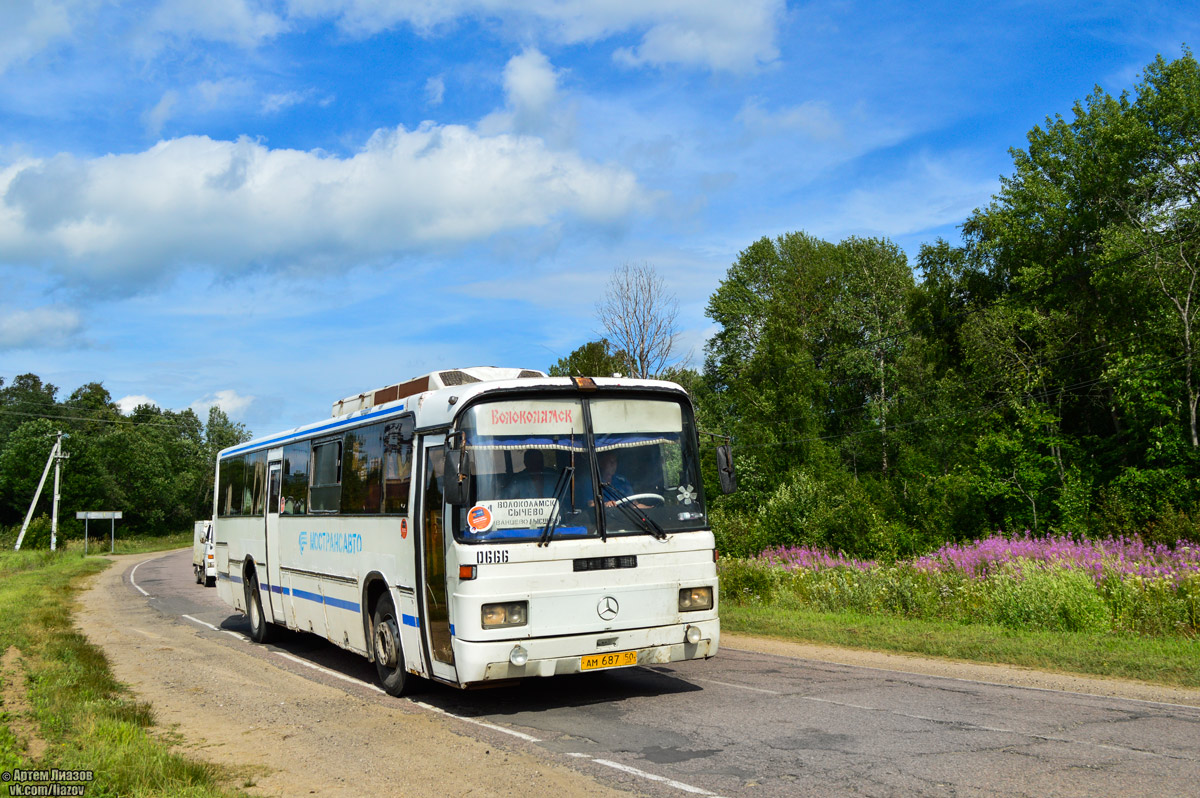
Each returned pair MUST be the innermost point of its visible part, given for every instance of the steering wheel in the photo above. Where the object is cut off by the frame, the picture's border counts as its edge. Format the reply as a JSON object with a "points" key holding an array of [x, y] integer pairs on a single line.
{"points": [[654, 499]]}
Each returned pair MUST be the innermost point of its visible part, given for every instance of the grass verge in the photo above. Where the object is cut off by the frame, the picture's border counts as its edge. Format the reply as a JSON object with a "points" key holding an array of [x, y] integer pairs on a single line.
{"points": [[1172, 661], [63, 708]]}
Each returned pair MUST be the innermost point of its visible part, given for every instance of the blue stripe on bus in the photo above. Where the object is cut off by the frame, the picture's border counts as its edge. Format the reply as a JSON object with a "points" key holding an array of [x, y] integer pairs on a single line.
{"points": [[332, 602], [410, 620], [317, 597], [452, 630], [309, 432]]}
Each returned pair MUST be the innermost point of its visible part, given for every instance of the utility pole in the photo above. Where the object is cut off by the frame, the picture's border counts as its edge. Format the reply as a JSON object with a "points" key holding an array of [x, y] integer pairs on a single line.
{"points": [[56, 457]]}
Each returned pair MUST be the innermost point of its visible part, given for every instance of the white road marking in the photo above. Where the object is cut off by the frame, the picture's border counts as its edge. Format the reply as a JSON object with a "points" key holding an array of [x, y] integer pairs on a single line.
{"points": [[965, 680], [994, 729], [679, 785], [484, 724], [135, 584], [329, 672], [202, 623], [738, 686], [241, 637]]}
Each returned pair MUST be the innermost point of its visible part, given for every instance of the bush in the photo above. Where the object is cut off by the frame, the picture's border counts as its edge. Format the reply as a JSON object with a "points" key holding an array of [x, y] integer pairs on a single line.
{"points": [[1053, 600], [37, 536], [744, 581]]}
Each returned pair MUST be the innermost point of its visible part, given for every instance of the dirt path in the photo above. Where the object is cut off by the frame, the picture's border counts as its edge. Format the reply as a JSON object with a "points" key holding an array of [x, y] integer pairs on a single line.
{"points": [[290, 736]]}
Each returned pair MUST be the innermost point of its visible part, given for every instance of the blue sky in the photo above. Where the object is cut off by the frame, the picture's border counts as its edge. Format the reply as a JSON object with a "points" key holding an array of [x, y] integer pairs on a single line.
{"points": [[271, 204]]}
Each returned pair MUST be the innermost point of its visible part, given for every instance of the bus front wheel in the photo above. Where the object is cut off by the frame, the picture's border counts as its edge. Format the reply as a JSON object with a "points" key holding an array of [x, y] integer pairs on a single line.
{"points": [[389, 657]]}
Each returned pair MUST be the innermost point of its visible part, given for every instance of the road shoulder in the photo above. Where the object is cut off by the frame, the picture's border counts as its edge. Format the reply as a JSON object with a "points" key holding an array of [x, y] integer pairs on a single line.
{"points": [[973, 671]]}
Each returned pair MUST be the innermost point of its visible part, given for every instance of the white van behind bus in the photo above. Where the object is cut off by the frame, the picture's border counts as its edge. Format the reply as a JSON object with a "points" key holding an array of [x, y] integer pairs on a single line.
{"points": [[204, 558]]}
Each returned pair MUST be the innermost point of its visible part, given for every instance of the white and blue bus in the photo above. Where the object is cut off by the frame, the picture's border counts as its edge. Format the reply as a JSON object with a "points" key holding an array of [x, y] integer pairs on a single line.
{"points": [[478, 525]]}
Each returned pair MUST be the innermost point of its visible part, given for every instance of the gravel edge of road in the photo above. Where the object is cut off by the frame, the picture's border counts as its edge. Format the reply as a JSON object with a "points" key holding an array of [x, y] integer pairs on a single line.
{"points": [[972, 671]]}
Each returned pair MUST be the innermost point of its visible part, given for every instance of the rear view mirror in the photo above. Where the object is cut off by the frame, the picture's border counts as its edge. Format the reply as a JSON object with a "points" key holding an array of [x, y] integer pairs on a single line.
{"points": [[725, 470], [457, 470]]}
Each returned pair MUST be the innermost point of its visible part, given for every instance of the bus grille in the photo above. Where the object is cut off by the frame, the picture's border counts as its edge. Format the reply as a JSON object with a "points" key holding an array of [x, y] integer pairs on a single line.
{"points": [[605, 563]]}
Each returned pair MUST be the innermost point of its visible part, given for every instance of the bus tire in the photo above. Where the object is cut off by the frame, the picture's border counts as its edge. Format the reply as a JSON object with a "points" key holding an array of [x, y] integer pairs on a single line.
{"points": [[386, 650], [260, 629]]}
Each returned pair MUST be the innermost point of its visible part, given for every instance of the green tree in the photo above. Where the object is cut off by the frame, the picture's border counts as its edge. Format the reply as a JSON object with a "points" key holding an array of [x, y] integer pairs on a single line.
{"points": [[593, 359]]}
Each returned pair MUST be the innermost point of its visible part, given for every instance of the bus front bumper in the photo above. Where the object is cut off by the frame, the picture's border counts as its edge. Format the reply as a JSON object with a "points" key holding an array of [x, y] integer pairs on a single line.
{"points": [[492, 661]]}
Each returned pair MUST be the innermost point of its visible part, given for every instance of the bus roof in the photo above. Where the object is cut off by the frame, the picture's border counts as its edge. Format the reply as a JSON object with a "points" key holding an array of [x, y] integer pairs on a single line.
{"points": [[437, 408]]}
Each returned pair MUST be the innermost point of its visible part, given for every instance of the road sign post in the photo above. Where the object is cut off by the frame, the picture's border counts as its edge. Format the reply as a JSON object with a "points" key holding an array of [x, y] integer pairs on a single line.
{"points": [[100, 515]]}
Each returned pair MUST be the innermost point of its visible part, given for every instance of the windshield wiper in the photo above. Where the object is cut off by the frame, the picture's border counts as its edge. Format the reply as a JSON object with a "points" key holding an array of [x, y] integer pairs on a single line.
{"points": [[632, 511], [564, 479]]}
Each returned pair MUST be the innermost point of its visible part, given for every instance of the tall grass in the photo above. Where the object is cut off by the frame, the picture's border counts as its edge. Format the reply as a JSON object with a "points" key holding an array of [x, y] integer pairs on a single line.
{"points": [[88, 720], [1046, 584]]}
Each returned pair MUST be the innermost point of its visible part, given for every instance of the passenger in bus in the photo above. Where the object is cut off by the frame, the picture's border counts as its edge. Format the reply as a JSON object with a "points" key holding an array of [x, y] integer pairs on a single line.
{"points": [[534, 482]]}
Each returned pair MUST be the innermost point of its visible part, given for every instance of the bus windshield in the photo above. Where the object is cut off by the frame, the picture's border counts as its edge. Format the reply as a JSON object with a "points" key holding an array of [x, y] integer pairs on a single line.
{"points": [[536, 460]]}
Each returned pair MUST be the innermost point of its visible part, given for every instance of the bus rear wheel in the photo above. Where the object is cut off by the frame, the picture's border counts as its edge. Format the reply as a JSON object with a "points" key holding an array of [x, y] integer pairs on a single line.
{"points": [[260, 629], [388, 655]]}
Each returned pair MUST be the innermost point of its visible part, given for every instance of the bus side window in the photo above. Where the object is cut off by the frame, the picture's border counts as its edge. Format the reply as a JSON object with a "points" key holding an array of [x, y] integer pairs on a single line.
{"points": [[229, 501], [295, 478], [326, 491], [397, 464], [255, 492], [362, 471]]}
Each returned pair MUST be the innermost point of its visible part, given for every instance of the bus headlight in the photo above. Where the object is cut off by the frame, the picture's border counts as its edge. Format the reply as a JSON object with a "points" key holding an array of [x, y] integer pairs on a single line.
{"points": [[695, 598], [509, 613]]}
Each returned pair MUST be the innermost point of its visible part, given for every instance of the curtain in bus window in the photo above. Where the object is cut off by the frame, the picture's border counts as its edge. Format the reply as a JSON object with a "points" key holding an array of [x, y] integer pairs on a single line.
{"points": [[255, 493], [362, 470], [229, 494], [295, 478], [397, 465], [326, 477]]}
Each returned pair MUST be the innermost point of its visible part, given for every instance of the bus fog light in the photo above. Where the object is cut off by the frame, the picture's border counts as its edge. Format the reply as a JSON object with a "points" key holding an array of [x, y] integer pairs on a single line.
{"points": [[692, 635], [518, 657], [695, 598]]}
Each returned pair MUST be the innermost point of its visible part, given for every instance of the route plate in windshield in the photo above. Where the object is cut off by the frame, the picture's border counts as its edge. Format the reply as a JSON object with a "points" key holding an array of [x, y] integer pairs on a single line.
{"points": [[613, 659]]}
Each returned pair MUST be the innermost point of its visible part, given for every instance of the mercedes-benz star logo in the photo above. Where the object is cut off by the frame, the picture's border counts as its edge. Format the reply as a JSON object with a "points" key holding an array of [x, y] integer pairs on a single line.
{"points": [[608, 608]]}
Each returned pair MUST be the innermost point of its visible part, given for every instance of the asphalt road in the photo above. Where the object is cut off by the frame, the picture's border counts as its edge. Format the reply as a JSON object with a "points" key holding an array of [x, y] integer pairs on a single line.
{"points": [[750, 724]]}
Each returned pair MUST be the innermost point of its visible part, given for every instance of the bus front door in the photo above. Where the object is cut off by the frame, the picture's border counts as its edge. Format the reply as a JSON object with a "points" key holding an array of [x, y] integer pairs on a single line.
{"points": [[435, 604], [273, 606]]}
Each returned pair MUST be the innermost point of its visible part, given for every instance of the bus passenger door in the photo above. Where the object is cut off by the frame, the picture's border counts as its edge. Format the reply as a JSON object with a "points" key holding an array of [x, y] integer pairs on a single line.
{"points": [[435, 604], [274, 606]]}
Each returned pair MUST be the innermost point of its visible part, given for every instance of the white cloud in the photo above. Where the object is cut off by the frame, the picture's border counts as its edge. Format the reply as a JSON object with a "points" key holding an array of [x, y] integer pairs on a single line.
{"points": [[532, 103], [928, 193], [210, 94], [241, 22], [29, 26], [274, 103], [43, 327], [228, 400], [127, 404], [721, 35], [716, 34], [156, 117], [120, 219], [435, 91], [813, 119]]}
